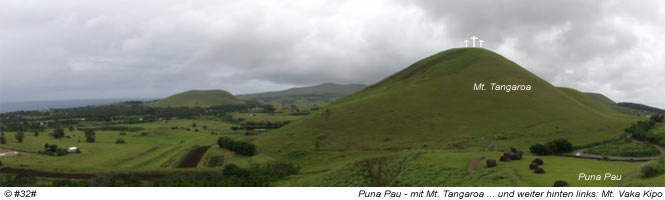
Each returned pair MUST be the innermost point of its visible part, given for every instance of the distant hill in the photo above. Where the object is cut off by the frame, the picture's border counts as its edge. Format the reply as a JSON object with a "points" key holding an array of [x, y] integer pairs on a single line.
{"points": [[322, 91], [432, 105], [200, 98], [641, 107]]}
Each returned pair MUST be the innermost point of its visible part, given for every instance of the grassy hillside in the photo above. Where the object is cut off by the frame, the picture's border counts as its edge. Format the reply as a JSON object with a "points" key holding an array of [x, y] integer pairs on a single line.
{"points": [[600, 103], [200, 98], [432, 105], [322, 91]]}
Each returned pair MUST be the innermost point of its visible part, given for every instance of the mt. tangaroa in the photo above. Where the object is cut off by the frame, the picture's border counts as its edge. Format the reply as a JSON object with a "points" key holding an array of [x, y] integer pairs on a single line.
{"points": [[432, 104]]}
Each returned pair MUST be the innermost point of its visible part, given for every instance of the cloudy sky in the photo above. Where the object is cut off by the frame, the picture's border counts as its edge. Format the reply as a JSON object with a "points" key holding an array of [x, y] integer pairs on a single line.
{"points": [[129, 48]]}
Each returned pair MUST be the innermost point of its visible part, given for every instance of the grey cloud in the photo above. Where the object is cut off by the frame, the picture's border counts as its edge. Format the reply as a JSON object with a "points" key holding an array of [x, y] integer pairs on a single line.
{"points": [[109, 49]]}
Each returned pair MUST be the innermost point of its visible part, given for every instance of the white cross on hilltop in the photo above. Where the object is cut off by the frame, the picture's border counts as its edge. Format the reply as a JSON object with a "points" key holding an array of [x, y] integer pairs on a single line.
{"points": [[473, 42]]}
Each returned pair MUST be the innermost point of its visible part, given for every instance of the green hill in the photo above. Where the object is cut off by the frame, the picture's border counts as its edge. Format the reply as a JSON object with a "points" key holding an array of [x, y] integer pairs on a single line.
{"points": [[194, 98], [432, 105], [322, 91]]}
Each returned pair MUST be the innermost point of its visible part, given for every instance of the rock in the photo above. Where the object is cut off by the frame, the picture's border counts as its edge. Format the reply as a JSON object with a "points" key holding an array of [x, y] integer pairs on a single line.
{"points": [[513, 156], [491, 163], [539, 170], [560, 183], [538, 161], [533, 165], [504, 158], [519, 155]]}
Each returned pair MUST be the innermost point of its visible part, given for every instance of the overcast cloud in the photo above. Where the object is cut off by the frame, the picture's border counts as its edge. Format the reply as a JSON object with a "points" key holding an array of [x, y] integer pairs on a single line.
{"points": [[118, 49]]}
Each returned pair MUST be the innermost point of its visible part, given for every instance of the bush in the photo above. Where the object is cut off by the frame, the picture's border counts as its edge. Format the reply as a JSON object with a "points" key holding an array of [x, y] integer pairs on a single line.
{"points": [[239, 147], [652, 168], [123, 133], [539, 149], [3, 140], [144, 133], [19, 136], [90, 136], [557, 146], [120, 141], [58, 133]]}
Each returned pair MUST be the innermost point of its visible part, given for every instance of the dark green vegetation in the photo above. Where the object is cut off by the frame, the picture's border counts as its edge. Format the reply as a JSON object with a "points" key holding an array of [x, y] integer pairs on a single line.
{"points": [[642, 130], [323, 91], [198, 98], [239, 147], [557, 146], [626, 148]]}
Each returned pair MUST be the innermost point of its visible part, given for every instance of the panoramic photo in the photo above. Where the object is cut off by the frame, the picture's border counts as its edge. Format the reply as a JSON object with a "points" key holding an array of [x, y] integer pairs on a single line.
{"points": [[332, 93]]}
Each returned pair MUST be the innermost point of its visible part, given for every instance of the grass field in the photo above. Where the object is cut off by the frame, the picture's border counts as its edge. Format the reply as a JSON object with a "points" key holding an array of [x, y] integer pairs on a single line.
{"points": [[626, 148], [160, 150]]}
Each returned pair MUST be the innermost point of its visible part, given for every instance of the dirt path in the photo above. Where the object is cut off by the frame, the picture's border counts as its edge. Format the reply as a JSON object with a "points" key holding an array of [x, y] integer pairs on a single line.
{"points": [[193, 157], [516, 178], [473, 163]]}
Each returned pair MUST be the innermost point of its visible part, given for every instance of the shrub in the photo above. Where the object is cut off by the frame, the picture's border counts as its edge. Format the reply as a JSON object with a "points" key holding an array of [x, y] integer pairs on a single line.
{"points": [[239, 147], [36, 133], [3, 140], [90, 136], [144, 133], [119, 141], [123, 133], [652, 168], [58, 133], [539, 149], [19, 136], [557, 146]]}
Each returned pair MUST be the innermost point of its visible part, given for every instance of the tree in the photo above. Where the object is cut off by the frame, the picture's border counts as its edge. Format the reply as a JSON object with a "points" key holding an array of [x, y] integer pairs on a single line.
{"points": [[19, 136], [559, 146], [539, 149], [90, 136], [58, 133], [225, 142]]}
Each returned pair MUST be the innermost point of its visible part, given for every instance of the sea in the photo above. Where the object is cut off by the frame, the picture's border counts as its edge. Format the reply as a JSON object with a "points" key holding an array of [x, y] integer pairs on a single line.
{"points": [[45, 105]]}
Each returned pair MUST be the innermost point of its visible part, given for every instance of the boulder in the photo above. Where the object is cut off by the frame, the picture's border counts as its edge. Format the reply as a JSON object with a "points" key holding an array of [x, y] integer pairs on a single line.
{"points": [[491, 163], [533, 165], [513, 156], [504, 158], [538, 161], [519, 155], [539, 170], [560, 183]]}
